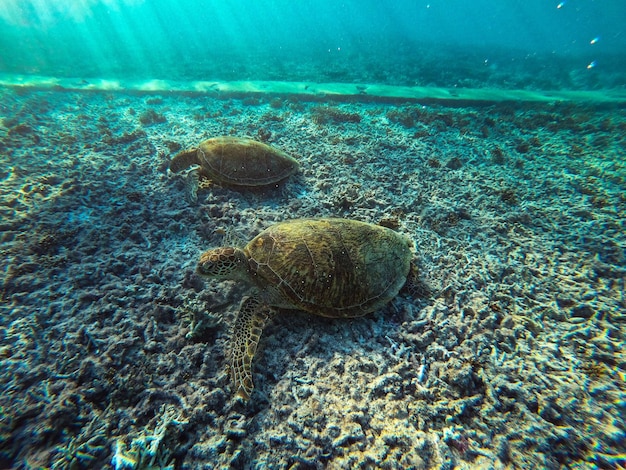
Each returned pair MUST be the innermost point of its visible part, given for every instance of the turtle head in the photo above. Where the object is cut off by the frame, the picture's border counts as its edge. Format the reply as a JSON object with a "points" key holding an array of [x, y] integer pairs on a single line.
{"points": [[185, 159], [226, 262]]}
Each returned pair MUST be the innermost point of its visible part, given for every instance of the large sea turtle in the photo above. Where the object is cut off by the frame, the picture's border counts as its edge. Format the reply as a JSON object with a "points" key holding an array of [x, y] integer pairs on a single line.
{"points": [[335, 268], [236, 161]]}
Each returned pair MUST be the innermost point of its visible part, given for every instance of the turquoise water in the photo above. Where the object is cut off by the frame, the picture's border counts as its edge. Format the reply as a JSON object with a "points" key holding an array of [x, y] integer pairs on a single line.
{"points": [[576, 44], [490, 136]]}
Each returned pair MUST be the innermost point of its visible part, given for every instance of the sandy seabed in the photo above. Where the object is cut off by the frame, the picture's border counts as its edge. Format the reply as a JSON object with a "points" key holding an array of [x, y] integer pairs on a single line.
{"points": [[113, 350]]}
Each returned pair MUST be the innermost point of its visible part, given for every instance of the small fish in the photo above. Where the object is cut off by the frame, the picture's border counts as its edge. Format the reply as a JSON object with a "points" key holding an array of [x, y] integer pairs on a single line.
{"points": [[561, 5], [592, 64], [594, 40]]}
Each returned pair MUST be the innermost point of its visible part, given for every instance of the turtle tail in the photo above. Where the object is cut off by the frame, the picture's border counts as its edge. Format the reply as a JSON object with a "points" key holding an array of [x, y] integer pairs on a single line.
{"points": [[184, 159]]}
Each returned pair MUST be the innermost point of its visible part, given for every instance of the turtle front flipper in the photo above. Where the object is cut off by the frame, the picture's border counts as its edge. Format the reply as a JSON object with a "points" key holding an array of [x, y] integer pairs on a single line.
{"points": [[247, 331], [192, 183], [184, 159]]}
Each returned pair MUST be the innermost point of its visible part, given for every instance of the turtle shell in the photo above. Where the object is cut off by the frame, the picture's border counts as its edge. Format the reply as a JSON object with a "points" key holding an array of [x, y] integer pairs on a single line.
{"points": [[330, 267], [237, 161]]}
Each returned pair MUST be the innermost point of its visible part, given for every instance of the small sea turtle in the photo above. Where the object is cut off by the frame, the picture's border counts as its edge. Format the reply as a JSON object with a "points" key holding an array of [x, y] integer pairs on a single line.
{"points": [[237, 161], [335, 268]]}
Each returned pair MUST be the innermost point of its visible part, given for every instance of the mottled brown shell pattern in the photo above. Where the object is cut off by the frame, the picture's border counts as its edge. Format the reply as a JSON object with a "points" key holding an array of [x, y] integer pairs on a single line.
{"points": [[330, 267], [237, 161]]}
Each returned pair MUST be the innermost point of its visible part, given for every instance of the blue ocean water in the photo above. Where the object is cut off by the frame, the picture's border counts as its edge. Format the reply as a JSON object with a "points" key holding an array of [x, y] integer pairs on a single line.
{"points": [[577, 44], [491, 134]]}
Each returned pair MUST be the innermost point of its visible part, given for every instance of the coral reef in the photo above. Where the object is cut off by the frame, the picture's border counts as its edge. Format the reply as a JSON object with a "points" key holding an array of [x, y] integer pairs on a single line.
{"points": [[113, 349], [333, 115]]}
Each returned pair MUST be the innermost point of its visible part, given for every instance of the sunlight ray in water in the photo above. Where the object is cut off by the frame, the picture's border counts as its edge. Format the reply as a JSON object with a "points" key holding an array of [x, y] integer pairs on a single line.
{"points": [[353, 234]]}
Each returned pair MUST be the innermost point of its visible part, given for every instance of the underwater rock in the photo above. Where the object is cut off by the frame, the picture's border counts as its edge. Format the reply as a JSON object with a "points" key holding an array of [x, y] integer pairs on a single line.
{"points": [[454, 163], [583, 311], [328, 114], [151, 117]]}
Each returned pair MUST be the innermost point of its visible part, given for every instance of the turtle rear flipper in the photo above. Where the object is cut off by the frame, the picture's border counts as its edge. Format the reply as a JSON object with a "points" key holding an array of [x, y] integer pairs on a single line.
{"points": [[414, 286], [247, 331], [184, 159]]}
